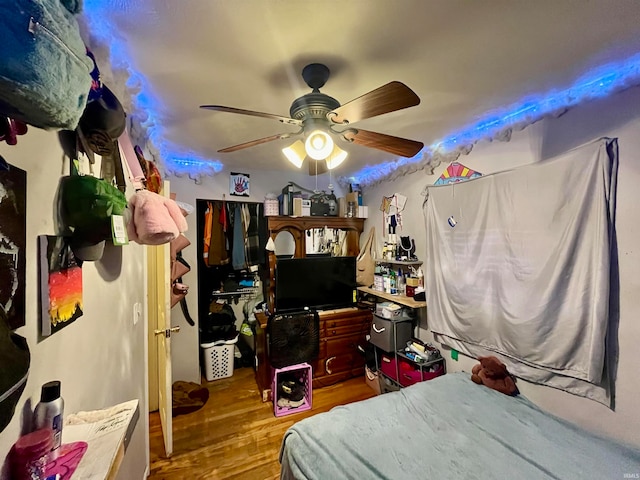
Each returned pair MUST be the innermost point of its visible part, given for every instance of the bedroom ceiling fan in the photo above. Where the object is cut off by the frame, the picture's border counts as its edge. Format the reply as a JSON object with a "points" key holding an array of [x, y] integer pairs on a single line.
{"points": [[321, 117]]}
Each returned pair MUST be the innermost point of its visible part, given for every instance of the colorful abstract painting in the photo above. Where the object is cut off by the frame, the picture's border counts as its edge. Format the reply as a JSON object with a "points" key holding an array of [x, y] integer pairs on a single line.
{"points": [[13, 233], [60, 284], [456, 172]]}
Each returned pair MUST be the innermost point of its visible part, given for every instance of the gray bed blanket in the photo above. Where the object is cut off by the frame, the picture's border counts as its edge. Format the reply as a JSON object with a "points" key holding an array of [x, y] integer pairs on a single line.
{"points": [[448, 428]]}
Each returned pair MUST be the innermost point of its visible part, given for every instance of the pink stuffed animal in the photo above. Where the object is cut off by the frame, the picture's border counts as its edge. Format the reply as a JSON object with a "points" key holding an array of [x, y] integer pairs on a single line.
{"points": [[155, 220]]}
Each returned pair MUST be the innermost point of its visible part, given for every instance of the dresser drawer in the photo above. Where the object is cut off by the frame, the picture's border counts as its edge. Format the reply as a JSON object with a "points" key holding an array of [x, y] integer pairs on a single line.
{"points": [[352, 329], [343, 355], [334, 327]]}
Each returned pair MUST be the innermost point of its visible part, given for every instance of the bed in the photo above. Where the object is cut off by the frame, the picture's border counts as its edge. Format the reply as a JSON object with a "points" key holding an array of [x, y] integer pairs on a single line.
{"points": [[448, 428]]}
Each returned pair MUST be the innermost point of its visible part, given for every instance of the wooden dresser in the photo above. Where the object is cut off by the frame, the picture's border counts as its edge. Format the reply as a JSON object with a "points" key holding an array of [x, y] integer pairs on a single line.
{"points": [[341, 332]]}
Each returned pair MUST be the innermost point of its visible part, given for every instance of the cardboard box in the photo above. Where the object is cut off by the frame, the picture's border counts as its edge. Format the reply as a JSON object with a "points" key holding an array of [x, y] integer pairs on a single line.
{"points": [[301, 207], [391, 310], [412, 282], [306, 207], [342, 207], [352, 197], [297, 207], [372, 380]]}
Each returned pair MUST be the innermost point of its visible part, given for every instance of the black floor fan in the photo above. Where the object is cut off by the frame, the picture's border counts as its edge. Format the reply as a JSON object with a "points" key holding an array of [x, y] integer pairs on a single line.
{"points": [[293, 338]]}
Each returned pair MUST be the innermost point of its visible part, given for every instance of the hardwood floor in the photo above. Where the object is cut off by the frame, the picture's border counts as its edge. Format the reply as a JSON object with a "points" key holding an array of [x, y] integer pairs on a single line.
{"points": [[235, 435]]}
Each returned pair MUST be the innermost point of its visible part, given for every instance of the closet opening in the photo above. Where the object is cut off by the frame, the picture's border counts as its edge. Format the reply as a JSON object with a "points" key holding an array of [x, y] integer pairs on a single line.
{"points": [[232, 267]]}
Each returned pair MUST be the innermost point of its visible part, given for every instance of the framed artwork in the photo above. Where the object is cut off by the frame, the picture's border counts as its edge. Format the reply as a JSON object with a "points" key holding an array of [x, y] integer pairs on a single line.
{"points": [[239, 184], [13, 239], [60, 284]]}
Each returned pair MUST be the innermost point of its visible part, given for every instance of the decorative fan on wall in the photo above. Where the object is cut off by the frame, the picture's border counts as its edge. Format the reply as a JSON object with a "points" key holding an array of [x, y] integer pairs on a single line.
{"points": [[318, 115]]}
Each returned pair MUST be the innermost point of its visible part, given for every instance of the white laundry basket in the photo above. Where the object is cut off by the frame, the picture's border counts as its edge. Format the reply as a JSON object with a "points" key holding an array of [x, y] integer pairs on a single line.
{"points": [[217, 358]]}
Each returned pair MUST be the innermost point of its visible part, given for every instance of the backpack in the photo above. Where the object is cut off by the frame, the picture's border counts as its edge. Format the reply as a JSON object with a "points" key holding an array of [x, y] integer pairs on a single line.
{"points": [[14, 369]]}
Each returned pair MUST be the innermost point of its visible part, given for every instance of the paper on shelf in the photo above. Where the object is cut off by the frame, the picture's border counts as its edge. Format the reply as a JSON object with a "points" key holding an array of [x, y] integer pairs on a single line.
{"points": [[104, 431]]}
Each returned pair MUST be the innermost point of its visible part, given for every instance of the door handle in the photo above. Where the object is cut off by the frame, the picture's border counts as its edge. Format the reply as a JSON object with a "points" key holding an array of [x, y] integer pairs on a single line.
{"points": [[167, 332], [326, 365]]}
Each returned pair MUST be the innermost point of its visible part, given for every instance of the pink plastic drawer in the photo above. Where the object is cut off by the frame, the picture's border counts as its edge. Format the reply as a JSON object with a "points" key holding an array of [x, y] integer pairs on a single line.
{"points": [[408, 372]]}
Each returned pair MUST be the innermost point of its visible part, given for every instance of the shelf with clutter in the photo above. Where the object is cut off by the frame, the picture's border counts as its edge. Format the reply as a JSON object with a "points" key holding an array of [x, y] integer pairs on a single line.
{"points": [[400, 357], [398, 280], [397, 298], [91, 445]]}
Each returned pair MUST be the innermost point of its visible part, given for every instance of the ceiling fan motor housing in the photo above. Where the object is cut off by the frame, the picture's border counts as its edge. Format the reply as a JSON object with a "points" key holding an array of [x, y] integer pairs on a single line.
{"points": [[312, 106]]}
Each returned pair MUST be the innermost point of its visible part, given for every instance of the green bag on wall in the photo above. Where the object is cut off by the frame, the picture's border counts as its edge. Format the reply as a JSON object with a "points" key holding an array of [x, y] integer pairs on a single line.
{"points": [[86, 204]]}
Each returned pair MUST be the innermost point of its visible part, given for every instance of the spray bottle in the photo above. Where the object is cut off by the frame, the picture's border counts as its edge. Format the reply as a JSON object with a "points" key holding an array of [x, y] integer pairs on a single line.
{"points": [[48, 414]]}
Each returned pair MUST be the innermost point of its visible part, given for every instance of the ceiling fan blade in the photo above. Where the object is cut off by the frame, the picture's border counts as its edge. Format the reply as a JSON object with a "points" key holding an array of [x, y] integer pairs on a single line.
{"points": [[388, 143], [253, 143], [221, 108], [388, 98], [317, 167]]}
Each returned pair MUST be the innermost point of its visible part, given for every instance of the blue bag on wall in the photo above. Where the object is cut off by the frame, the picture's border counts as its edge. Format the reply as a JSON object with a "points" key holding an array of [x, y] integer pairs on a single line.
{"points": [[44, 69]]}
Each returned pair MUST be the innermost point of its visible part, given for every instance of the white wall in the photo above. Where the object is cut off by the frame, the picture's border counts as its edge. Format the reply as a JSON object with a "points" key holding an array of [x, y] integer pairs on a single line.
{"points": [[184, 346], [100, 358], [618, 116]]}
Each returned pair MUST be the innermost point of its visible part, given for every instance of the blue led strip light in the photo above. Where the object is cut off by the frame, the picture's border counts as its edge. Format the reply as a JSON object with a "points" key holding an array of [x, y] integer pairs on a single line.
{"points": [[175, 159], [597, 83]]}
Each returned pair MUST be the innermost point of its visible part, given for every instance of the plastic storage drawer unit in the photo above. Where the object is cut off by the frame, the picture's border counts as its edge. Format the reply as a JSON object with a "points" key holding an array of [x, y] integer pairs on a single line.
{"points": [[407, 373], [391, 334]]}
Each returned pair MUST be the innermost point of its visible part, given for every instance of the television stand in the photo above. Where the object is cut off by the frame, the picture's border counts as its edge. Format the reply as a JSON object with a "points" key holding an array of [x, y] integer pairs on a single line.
{"points": [[341, 332]]}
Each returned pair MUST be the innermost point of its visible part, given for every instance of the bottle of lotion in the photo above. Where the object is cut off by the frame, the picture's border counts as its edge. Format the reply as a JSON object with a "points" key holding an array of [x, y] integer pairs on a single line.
{"points": [[48, 414], [420, 277]]}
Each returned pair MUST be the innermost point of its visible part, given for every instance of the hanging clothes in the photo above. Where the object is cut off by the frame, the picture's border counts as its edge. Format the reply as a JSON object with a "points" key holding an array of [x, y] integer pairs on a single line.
{"points": [[208, 221], [252, 244], [263, 234], [238, 260], [218, 252]]}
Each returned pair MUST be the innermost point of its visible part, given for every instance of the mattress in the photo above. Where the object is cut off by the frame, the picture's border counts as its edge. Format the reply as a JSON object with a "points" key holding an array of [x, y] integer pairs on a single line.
{"points": [[448, 428]]}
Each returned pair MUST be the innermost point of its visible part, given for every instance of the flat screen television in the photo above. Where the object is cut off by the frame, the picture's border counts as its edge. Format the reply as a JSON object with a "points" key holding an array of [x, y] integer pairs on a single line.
{"points": [[317, 283]]}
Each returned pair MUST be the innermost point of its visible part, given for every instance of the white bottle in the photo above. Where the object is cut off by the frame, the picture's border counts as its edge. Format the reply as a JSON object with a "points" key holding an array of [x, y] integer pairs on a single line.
{"points": [[420, 277], [48, 414], [401, 282]]}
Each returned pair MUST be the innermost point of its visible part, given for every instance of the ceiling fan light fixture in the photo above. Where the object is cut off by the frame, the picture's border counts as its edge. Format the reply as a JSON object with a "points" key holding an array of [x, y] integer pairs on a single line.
{"points": [[295, 153], [319, 145], [336, 158]]}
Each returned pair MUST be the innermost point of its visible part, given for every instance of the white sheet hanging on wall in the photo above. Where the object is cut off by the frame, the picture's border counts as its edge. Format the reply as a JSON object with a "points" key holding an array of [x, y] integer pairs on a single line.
{"points": [[518, 263]]}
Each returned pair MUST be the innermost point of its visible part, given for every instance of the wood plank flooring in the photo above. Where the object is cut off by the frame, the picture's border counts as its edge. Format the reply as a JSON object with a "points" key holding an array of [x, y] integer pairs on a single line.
{"points": [[235, 435]]}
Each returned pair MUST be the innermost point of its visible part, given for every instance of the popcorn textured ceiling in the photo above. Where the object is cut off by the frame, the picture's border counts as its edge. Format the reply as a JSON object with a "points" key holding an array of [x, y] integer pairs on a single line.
{"points": [[481, 69]]}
